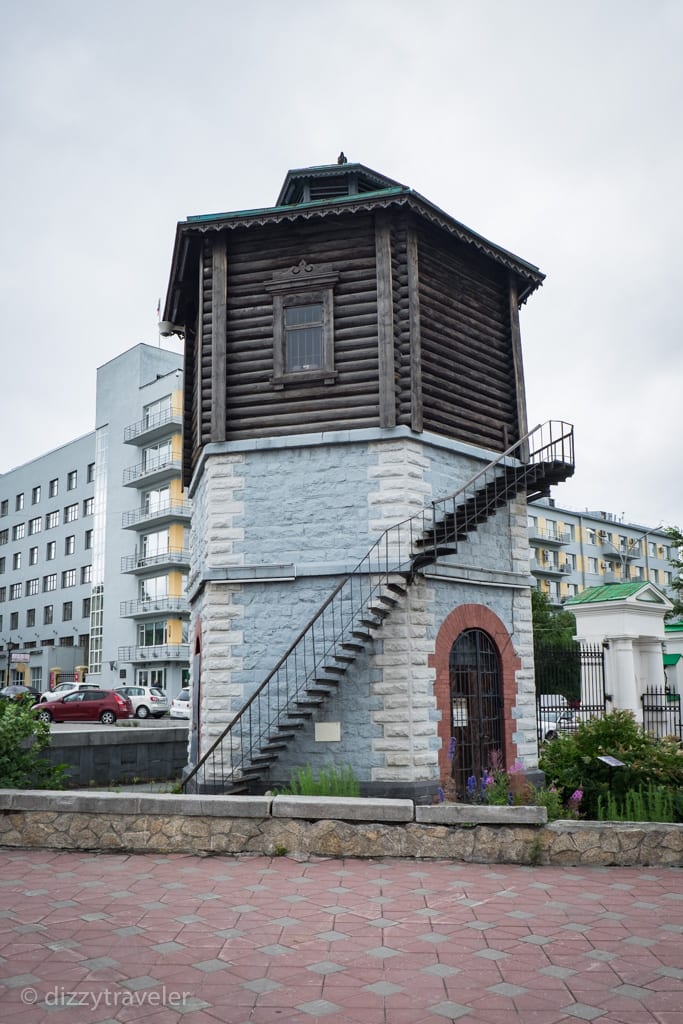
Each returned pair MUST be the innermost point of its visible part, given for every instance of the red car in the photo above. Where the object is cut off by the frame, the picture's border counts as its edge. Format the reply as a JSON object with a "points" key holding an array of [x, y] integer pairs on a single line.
{"points": [[86, 706]]}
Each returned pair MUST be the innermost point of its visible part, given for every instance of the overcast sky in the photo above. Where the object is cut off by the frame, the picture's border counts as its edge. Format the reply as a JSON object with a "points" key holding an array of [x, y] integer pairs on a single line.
{"points": [[553, 129]]}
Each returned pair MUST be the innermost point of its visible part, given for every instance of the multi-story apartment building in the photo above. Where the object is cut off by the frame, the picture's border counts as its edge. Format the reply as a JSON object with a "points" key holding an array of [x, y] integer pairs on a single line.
{"points": [[93, 540], [46, 558], [572, 550]]}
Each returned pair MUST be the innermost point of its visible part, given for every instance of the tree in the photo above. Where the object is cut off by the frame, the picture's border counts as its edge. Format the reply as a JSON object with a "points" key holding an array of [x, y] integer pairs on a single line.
{"points": [[551, 626], [557, 658], [22, 742], [676, 538]]}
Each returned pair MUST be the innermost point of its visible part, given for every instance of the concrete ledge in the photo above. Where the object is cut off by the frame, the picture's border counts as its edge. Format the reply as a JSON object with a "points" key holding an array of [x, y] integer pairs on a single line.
{"points": [[454, 814], [227, 825], [339, 808]]}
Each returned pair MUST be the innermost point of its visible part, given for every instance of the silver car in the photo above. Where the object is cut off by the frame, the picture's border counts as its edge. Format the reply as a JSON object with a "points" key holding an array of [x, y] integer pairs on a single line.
{"points": [[146, 700]]}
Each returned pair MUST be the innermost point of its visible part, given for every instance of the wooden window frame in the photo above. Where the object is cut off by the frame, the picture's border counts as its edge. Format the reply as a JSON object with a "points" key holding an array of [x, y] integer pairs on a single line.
{"points": [[303, 285]]}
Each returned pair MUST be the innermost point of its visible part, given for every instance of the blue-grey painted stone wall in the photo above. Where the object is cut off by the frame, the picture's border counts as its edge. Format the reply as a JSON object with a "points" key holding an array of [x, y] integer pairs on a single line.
{"points": [[275, 526]]}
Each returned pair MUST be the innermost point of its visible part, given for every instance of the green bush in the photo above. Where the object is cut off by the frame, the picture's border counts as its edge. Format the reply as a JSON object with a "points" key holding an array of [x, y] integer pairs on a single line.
{"points": [[331, 781], [571, 762], [22, 740], [656, 803]]}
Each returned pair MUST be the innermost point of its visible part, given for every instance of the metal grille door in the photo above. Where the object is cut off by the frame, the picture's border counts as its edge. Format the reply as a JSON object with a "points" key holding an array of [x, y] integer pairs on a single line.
{"points": [[476, 708]]}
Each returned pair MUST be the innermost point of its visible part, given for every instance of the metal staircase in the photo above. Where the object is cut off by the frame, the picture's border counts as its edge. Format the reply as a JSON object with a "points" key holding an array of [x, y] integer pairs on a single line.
{"points": [[345, 625]]}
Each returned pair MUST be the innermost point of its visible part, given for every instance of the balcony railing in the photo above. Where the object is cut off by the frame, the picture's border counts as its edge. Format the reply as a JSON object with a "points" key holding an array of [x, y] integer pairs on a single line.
{"points": [[139, 563], [155, 652], [162, 513], [152, 427], [153, 606], [549, 537], [151, 469], [550, 568]]}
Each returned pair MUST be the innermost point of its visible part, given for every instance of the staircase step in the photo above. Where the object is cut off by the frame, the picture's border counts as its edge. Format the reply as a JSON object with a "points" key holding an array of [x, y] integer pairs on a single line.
{"points": [[361, 633], [263, 759], [353, 645], [345, 656], [286, 726], [336, 670], [369, 622]]}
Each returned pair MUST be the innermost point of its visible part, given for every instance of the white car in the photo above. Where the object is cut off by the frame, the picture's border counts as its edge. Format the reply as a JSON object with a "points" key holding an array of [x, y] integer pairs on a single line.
{"points": [[554, 722], [61, 690], [180, 705], [146, 700]]}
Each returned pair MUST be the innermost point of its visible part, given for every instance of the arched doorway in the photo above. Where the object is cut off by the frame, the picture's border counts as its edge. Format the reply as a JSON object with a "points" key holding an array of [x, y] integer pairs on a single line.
{"points": [[476, 708]]}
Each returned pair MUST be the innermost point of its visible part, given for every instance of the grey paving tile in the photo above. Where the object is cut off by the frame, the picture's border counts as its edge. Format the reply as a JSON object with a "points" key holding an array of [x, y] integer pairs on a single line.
{"points": [[229, 933], [331, 936], [555, 971], [209, 966], [21, 980], [168, 947], [100, 962], [537, 940], [583, 1011], [480, 926], [491, 954], [440, 970], [504, 988], [639, 940], [383, 988], [382, 952], [325, 967], [632, 991], [670, 972], [189, 1004], [261, 985], [143, 982], [600, 954], [276, 949], [132, 929], [318, 1008], [451, 1011]]}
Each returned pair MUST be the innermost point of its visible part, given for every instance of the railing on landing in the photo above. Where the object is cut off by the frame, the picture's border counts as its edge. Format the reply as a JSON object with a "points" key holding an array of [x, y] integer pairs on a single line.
{"points": [[327, 642]]}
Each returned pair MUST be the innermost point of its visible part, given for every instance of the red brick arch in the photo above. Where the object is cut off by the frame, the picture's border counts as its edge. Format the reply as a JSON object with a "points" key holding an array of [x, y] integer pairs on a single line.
{"points": [[473, 616]]}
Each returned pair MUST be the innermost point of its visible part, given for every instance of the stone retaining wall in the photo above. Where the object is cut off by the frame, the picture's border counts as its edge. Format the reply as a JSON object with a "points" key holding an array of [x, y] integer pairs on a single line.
{"points": [[327, 827]]}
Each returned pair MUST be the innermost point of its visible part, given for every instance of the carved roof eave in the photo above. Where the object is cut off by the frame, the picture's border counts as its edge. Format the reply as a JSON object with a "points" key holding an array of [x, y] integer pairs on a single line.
{"points": [[412, 200]]}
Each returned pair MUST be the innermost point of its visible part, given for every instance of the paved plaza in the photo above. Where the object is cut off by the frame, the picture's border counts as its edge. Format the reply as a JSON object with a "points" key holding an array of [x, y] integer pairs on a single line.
{"points": [[89, 939]]}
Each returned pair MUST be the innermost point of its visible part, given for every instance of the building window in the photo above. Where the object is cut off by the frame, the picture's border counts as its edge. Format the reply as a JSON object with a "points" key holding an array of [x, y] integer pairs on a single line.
{"points": [[32, 587], [51, 550], [47, 615], [591, 536], [72, 480], [68, 578], [153, 588], [19, 502], [30, 616], [90, 475], [35, 525], [4, 536], [15, 591], [152, 634], [3, 593], [69, 544], [70, 513], [88, 506], [16, 560], [86, 574], [652, 548], [156, 500], [157, 412], [593, 566], [2, 565], [303, 329], [4, 507], [50, 582], [67, 611], [85, 611], [87, 540], [19, 531], [53, 488], [33, 556], [14, 620], [51, 520]]}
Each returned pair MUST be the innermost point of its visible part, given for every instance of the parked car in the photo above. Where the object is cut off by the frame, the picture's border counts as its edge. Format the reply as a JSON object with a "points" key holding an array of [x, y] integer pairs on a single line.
{"points": [[16, 691], [90, 705], [180, 705], [554, 722], [146, 700], [61, 689]]}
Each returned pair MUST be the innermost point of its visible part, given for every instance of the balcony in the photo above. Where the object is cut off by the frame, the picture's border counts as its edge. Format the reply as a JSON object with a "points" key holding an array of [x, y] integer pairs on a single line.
{"points": [[163, 514], [161, 560], [153, 607], [152, 428], [622, 554], [155, 653], [548, 538], [152, 471], [549, 569]]}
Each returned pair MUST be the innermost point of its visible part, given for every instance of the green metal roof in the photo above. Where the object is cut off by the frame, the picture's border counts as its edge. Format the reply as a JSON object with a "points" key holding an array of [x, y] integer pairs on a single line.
{"points": [[609, 592], [311, 205], [673, 627], [672, 659]]}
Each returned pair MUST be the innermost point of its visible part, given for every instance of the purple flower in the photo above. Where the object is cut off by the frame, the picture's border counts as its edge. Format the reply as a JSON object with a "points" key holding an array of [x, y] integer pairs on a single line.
{"points": [[576, 797], [451, 748], [441, 795], [471, 784]]}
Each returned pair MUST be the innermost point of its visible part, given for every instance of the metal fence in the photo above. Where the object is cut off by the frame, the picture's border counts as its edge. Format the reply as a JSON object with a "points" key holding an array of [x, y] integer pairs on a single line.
{"points": [[662, 713], [570, 685]]}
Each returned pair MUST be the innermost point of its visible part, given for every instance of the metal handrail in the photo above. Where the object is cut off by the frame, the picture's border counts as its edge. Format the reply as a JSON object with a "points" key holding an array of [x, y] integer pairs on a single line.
{"points": [[352, 605]]}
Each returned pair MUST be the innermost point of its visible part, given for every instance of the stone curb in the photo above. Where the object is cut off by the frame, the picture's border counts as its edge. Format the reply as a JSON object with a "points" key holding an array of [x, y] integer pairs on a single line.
{"points": [[339, 808], [477, 814]]}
